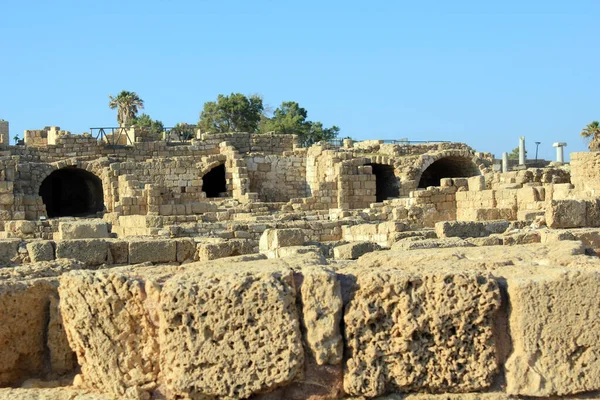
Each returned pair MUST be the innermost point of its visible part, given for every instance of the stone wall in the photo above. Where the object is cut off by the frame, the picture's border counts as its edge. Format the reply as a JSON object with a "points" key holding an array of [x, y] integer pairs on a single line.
{"points": [[277, 178], [585, 170]]}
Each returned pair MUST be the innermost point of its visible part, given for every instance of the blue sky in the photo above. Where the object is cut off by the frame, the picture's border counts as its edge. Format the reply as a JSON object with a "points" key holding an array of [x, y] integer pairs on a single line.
{"points": [[478, 72]]}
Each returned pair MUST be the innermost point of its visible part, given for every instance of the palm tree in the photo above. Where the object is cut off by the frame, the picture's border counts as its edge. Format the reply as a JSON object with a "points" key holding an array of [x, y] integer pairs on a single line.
{"points": [[127, 105], [592, 129]]}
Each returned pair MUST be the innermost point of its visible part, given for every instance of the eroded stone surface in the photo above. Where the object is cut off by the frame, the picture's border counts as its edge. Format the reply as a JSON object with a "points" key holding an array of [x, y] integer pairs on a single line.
{"points": [[109, 326], [420, 332], [229, 334], [552, 323], [322, 312], [24, 315]]}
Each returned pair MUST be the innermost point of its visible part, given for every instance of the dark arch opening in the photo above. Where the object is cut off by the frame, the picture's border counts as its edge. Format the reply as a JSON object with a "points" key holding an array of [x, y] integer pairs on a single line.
{"points": [[214, 183], [72, 192], [448, 167], [385, 181]]}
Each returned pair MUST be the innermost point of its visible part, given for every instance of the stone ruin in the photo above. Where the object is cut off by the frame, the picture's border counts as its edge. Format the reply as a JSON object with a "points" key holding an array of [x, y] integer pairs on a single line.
{"points": [[238, 266]]}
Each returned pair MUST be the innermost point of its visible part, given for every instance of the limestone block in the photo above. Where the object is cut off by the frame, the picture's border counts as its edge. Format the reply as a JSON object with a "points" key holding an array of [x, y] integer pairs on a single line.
{"points": [[466, 229], [273, 239], [156, 251], [41, 250], [186, 250], [8, 250], [110, 329], [83, 229], [593, 213], [556, 347], [24, 314], [430, 244], [296, 251], [229, 335], [430, 331], [566, 214], [118, 251], [476, 183], [88, 251], [354, 250], [62, 358], [322, 311]]}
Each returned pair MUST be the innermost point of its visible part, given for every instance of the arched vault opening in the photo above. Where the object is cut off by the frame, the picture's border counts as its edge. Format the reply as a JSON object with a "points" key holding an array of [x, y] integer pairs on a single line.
{"points": [[386, 182], [72, 192], [448, 167], [214, 183]]}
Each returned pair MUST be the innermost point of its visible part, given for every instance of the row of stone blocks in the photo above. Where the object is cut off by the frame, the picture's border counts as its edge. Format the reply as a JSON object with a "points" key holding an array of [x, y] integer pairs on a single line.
{"points": [[96, 252], [450, 321]]}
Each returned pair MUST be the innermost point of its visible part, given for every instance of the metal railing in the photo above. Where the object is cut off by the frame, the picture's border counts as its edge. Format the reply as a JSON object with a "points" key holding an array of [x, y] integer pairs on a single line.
{"points": [[112, 136]]}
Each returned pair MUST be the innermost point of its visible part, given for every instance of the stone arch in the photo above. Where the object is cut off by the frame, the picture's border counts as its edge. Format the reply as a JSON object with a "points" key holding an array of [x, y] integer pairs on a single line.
{"points": [[214, 178], [386, 182], [72, 191], [447, 164]]}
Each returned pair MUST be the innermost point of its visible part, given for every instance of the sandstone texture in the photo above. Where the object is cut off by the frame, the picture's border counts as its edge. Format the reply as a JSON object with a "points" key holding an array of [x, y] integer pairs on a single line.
{"points": [[421, 332], [83, 229], [24, 309], [114, 337], [556, 350], [229, 335], [352, 251]]}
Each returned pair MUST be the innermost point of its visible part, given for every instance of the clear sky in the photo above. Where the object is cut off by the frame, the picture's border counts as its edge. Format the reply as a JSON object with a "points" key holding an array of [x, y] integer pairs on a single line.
{"points": [[480, 72]]}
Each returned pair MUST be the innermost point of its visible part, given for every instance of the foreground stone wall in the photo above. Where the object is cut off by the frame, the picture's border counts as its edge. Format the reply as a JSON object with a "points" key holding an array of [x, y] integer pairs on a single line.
{"points": [[505, 321]]}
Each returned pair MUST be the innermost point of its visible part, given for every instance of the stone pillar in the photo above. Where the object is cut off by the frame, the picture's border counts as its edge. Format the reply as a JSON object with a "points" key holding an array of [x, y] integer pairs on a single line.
{"points": [[559, 151], [4, 135], [505, 162], [522, 150], [348, 143]]}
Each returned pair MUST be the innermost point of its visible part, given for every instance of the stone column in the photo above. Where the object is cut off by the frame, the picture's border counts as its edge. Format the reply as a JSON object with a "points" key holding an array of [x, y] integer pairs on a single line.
{"points": [[559, 151], [4, 135], [505, 162], [522, 150]]}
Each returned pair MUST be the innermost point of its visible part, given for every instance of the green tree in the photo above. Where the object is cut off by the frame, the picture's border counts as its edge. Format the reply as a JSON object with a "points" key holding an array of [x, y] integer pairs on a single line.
{"points": [[234, 113], [592, 130], [514, 154], [290, 118], [184, 131], [149, 126], [16, 139], [127, 105]]}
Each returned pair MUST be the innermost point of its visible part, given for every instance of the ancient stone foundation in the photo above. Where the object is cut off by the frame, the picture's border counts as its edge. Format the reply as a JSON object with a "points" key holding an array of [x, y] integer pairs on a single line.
{"points": [[370, 270]]}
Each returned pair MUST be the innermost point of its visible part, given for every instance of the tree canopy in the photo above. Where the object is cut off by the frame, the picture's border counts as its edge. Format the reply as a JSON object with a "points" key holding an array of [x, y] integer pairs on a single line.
{"points": [[290, 118], [233, 113], [592, 130], [127, 105], [149, 126]]}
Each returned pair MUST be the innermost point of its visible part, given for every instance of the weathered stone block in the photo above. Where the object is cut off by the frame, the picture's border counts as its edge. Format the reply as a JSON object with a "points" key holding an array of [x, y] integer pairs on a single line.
{"points": [[186, 250], [41, 250], [272, 239], [566, 214], [88, 251], [420, 332], [110, 329], [466, 229], [476, 183], [238, 334], [83, 229], [157, 251], [118, 250], [322, 311], [8, 250], [24, 312], [556, 348], [352, 251]]}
